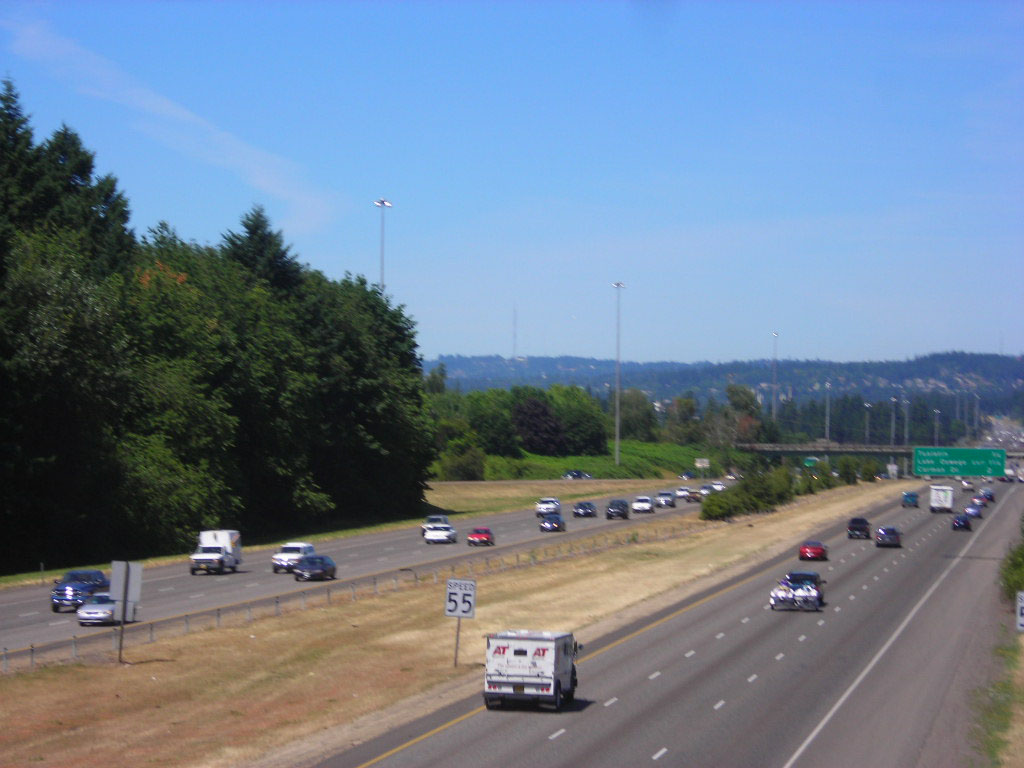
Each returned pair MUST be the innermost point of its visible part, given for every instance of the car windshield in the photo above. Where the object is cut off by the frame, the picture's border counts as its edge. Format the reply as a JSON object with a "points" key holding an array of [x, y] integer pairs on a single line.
{"points": [[812, 543], [99, 600], [585, 505], [88, 577], [802, 578], [482, 530]]}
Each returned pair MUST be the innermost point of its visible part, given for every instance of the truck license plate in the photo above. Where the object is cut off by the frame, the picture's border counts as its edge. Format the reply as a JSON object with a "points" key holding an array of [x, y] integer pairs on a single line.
{"points": [[518, 688]]}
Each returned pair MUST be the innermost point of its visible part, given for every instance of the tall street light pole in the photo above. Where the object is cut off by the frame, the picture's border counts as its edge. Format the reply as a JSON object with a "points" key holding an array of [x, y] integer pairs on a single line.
{"points": [[618, 373], [936, 412], [828, 392], [892, 428], [382, 204], [867, 423], [906, 431], [775, 377]]}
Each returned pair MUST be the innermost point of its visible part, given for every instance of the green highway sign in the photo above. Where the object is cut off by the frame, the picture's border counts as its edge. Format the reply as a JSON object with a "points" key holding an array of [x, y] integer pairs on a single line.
{"points": [[970, 462]]}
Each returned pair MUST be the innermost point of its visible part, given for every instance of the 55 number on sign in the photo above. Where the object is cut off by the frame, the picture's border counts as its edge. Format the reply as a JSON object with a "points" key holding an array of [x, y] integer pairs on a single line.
{"points": [[460, 599], [460, 602]]}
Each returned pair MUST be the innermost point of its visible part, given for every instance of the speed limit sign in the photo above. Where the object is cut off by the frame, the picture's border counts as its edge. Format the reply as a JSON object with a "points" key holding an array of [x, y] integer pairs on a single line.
{"points": [[460, 599]]}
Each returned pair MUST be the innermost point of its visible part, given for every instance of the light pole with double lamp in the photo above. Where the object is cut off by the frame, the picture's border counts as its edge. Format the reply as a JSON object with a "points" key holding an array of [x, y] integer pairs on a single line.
{"points": [[618, 374]]}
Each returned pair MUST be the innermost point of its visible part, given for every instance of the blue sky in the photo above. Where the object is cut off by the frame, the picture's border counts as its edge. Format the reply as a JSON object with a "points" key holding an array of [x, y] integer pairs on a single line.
{"points": [[850, 175]]}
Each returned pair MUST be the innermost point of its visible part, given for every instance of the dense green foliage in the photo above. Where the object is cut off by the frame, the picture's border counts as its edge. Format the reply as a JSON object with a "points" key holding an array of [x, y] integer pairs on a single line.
{"points": [[1011, 571], [152, 388], [762, 491]]}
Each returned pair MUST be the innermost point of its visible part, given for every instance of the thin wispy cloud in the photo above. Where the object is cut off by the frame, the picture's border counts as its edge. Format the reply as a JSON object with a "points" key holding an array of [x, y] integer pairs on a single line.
{"points": [[172, 124]]}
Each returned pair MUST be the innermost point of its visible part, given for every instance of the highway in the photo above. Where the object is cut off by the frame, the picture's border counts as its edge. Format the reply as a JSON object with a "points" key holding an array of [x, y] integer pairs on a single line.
{"points": [[169, 590], [882, 676]]}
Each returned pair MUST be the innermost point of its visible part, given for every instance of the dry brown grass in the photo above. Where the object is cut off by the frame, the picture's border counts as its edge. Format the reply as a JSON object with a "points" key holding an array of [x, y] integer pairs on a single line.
{"points": [[301, 685]]}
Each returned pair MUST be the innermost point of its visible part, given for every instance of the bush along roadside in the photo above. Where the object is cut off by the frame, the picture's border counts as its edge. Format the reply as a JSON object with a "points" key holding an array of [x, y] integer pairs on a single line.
{"points": [[762, 492]]}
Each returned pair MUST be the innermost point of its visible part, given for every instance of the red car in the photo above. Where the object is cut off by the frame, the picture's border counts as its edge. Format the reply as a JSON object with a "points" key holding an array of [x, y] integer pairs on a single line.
{"points": [[813, 550], [480, 537]]}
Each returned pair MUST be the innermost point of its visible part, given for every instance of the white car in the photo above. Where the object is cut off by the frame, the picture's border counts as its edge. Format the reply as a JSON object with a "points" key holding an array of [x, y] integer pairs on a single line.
{"points": [[547, 505], [440, 533], [99, 608], [289, 554], [642, 504], [718, 485], [682, 491]]}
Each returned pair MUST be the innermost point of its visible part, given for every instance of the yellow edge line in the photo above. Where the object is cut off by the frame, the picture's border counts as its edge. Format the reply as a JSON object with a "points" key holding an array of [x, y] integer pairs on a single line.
{"points": [[588, 657]]}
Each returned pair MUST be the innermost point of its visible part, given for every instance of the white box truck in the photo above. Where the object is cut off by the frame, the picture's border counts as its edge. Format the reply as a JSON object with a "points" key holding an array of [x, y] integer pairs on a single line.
{"points": [[941, 498], [218, 551], [530, 665]]}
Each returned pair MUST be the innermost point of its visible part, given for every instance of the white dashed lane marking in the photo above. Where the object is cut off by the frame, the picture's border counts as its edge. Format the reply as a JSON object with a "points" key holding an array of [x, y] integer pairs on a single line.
{"points": [[193, 597], [556, 734], [720, 635], [752, 678], [688, 654], [657, 755], [611, 701], [720, 704], [30, 613], [780, 656], [653, 675]]}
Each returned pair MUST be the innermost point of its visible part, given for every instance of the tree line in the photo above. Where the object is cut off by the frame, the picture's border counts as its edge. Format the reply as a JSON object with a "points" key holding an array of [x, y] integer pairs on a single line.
{"points": [[153, 387]]}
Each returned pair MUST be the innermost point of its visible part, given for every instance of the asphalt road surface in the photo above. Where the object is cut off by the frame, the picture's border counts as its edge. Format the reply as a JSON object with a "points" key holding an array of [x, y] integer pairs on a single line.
{"points": [[26, 617], [883, 675]]}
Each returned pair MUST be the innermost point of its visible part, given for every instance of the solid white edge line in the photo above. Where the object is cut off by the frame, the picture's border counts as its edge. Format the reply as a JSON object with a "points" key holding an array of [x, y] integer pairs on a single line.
{"points": [[876, 658]]}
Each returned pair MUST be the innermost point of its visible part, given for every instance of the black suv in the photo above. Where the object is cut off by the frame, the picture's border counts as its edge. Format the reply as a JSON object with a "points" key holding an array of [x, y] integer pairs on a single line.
{"points": [[617, 508], [858, 528]]}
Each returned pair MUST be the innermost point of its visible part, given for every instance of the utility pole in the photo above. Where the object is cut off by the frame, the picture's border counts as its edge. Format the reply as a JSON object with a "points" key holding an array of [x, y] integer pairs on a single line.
{"points": [[618, 373], [775, 377]]}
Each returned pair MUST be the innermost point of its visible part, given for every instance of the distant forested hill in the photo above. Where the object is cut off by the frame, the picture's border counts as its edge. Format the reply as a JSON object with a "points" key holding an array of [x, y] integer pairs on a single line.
{"points": [[996, 378]]}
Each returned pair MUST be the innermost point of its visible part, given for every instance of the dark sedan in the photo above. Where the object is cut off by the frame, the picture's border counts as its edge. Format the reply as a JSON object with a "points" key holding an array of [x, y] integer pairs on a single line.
{"points": [[315, 568], [961, 523], [552, 522], [584, 509], [888, 537], [617, 508]]}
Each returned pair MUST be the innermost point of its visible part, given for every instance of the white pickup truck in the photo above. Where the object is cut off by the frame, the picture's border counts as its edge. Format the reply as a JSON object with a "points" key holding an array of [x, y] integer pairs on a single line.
{"points": [[530, 665], [218, 551]]}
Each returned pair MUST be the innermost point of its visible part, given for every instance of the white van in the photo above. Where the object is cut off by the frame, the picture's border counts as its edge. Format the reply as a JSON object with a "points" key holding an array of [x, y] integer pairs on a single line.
{"points": [[530, 665]]}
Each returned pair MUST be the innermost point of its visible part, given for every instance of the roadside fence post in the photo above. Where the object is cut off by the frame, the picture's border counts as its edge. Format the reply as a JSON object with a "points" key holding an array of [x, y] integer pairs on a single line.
{"points": [[375, 591], [248, 613], [5, 660], [113, 637], [186, 624], [303, 601], [218, 618], [328, 595], [353, 588], [74, 647], [394, 581], [151, 633], [32, 657], [435, 575], [277, 606]]}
